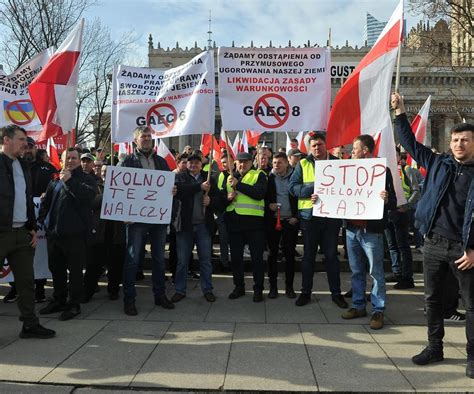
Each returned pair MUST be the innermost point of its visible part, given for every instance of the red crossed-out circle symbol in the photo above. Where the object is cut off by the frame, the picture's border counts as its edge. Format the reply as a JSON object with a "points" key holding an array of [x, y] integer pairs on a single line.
{"points": [[168, 118], [5, 270], [281, 102], [16, 106]]}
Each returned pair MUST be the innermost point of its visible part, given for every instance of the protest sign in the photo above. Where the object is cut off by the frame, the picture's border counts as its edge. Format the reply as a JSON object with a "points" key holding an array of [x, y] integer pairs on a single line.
{"points": [[173, 102], [40, 262], [276, 89], [137, 195], [349, 189], [17, 107]]}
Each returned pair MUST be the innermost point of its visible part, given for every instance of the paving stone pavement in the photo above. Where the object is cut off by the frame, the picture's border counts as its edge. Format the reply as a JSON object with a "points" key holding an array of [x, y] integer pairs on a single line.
{"points": [[229, 345]]}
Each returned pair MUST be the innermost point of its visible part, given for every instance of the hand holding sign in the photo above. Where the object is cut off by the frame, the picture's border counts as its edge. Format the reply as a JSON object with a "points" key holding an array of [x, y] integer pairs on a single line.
{"points": [[314, 198]]}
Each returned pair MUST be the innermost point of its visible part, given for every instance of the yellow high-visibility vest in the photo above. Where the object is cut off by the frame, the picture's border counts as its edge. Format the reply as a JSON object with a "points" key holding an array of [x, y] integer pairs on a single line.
{"points": [[406, 187], [308, 179], [243, 204]]}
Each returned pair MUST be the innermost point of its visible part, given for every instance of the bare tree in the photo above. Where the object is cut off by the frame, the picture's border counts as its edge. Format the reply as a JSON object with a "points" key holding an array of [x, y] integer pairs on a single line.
{"points": [[34, 25]]}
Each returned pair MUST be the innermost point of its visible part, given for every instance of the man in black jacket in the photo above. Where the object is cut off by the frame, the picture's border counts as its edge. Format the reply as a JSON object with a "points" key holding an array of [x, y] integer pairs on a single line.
{"points": [[18, 227], [445, 214], [145, 157], [65, 212], [196, 196], [365, 237], [282, 207]]}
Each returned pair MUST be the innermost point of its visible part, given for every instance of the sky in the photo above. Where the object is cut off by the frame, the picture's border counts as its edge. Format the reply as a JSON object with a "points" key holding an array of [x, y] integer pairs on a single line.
{"points": [[241, 21]]}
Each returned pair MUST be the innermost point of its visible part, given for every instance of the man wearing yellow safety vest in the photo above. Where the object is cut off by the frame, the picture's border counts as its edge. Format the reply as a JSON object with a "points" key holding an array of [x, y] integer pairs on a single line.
{"points": [[246, 190], [397, 230], [318, 232]]}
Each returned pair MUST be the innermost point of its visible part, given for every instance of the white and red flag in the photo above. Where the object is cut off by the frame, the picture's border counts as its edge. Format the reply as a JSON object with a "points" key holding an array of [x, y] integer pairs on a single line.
{"points": [[418, 126], [53, 92], [236, 145], [243, 144], [361, 105], [163, 151], [252, 137], [225, 143], [301, 144], [53, 154]]}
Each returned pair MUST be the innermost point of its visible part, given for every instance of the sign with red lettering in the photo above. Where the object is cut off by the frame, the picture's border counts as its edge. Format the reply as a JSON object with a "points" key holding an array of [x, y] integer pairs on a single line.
{"points": [[137, 195], [350, 189]]}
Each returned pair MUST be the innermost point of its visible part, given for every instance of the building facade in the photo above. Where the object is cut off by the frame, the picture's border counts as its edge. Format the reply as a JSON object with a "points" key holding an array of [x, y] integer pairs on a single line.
{"points": [[421, 76], [372, 29]]}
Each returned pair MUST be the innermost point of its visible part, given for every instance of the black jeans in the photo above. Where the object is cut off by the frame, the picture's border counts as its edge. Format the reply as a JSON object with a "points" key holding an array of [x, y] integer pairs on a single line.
{"points": [[67, 254], [439, 255], [321, 233], [288, 235], [256, 242], [96, 259], [399, 245]]}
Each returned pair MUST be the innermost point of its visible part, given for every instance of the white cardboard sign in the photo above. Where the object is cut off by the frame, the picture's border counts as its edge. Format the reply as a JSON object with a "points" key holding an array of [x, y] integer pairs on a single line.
{"points": [[350, 189], [137, 195]]}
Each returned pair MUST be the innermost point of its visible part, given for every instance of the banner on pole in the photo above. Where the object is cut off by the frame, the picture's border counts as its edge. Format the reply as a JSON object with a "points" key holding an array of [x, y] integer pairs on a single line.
{"points": [[350, 189], [16, 105], [137, 195], [174, 102], [274, 89], [40, 262]]}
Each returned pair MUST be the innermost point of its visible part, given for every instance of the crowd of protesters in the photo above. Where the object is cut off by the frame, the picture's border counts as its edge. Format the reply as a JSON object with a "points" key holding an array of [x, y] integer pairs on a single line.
{"points": [[261, 200]]}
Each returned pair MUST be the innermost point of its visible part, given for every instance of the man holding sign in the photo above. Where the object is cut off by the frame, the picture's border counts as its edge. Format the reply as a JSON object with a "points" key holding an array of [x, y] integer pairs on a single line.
{"points": [[365, 244], [144, 157]]}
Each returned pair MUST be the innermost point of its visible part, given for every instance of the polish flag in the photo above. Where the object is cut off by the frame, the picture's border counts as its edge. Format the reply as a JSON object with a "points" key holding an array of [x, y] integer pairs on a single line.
{"points": [[418, 125], [244, 145], [252, 137], [163, 151], [301, 143], [53, 92], [53, 153], [217, 155], [124, 148], [361, 105], [236, 146], [223, 140], [205, 146], [228, 147]]}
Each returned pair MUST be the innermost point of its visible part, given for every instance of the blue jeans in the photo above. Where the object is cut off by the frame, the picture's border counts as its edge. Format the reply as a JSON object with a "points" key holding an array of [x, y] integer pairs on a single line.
{"points": [[360, 242], [136, 238], [184, 244]]}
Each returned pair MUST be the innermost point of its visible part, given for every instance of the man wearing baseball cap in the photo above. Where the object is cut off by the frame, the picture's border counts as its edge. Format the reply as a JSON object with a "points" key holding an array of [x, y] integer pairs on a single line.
{"points": [[246, 190]]}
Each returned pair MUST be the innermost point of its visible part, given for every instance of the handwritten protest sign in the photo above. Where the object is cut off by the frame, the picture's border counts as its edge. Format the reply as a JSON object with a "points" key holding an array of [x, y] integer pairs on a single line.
{"points": [[277, 89], [350, 189], [40, 262], [137, 195]]}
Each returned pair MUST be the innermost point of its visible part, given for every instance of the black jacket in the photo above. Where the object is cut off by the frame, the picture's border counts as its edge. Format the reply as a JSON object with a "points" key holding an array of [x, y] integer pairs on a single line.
{"points": [[42, 173], [187, 188], [133, 161], [7, 194], [70, 213]]}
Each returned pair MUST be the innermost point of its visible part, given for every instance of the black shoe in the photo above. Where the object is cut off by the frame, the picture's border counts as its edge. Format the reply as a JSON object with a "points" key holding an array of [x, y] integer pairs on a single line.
{"points": [[210, 297], [164, 302], [130, 309], [393, 278], [177, 297], [273, 293], [139, 276], [340, 301], [114, 296], [348, 294], [237, 293], [12, 296], [36, 331], [404, 285], [257, 296], [53, 307], [290, 293], [70, 313], [470, 368], [428, 356], [303, 299]]}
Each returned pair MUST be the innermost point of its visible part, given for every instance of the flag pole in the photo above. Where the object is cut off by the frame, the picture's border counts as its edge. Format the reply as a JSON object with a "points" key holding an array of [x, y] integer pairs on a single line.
{"points": [[397, 76], [230, 159]]}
